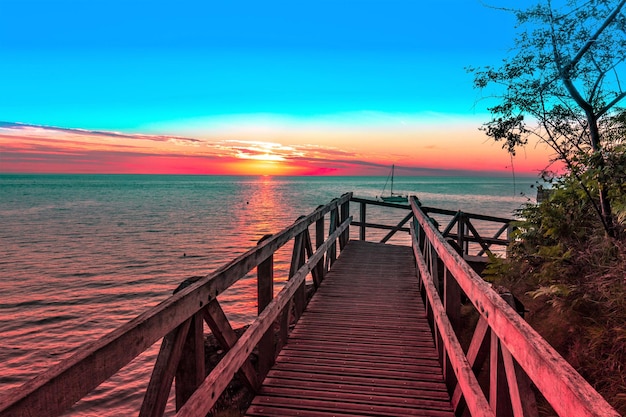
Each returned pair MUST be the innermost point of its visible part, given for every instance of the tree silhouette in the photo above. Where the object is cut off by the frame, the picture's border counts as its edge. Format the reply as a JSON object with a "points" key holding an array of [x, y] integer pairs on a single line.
{"points": [[563, 84]]}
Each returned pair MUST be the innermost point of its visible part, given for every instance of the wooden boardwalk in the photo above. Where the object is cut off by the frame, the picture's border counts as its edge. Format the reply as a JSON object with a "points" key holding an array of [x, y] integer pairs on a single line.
{"points": [[363, 346]]}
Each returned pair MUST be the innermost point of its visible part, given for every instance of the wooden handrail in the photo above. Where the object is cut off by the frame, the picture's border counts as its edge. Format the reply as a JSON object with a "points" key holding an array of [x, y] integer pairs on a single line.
{"points": [[476, 401], [566, 391], [57, 389], [209, 391], [466, 233]]}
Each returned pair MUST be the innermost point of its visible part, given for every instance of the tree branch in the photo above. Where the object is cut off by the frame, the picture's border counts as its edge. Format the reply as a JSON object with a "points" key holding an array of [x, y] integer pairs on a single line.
{"points": [[594, 38], [611, 104]]}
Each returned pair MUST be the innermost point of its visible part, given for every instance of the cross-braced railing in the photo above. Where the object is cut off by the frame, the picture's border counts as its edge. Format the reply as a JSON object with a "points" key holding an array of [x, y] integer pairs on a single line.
{"points": [[472, 235], [179, 322], [517, 355]]}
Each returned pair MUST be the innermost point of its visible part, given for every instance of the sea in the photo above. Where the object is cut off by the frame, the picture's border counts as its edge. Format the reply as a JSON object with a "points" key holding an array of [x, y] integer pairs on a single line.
{"points": [[80, 255]]}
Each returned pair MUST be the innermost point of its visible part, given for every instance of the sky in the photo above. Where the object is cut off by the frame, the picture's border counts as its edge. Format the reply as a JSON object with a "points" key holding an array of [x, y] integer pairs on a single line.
{"points": [[324, 87]]}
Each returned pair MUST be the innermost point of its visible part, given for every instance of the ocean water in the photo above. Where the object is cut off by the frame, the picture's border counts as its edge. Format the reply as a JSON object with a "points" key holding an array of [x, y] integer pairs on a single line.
{"points": [[82, 254]]}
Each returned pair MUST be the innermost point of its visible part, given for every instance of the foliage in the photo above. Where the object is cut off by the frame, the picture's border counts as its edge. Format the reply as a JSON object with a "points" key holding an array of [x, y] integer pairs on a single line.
{"points": [[562, 85], [561, 260]]}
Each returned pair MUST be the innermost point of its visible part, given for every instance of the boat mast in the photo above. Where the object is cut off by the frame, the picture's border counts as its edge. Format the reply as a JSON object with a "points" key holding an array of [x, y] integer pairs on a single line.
{"points": [[392, 169]]}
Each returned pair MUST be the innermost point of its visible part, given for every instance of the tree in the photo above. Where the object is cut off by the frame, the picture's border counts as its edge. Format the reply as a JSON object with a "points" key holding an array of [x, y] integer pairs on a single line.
{"points": [[563, 85]]}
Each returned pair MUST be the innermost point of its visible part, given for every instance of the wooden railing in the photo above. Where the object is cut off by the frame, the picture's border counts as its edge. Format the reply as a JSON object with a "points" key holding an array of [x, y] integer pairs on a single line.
{"points": [[179, 322], [517, 355], [462, 227]]}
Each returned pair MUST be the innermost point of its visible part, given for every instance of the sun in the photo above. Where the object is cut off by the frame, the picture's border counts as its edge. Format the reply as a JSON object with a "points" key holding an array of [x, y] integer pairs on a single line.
{"points": [[268, 157]]}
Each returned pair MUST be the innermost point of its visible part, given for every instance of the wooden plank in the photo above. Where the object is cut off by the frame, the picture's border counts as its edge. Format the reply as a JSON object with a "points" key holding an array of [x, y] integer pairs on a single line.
{"points": [[424, 373], [297, 260], [369, 388], [345, 213], [359, 380], [271, 411], [357, 349], [323, 394], [340, 405], [566, 391], [426, 355], [315, 273]]}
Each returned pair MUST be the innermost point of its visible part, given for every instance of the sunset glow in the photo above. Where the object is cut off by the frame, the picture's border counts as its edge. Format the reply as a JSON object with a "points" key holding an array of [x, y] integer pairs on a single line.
{"points": [[415, 151], [251, 89]]}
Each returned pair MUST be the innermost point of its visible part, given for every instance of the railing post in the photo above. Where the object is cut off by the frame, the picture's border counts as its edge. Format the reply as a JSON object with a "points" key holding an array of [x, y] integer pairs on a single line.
{"points": [[434, 267], [190, 372], [319, 241], [345, 213], [362, 218], [331, 257], [265, 288], [460, 234], [297, 260], [499, 399], [452, 299]]}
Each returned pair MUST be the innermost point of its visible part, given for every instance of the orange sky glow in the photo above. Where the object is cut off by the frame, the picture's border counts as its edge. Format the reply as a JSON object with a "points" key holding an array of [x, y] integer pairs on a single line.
{"points": [[414, 150]]}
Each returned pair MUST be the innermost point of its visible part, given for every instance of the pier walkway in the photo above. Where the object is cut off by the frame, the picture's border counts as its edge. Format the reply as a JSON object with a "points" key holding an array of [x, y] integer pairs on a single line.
{"points": [[379, 336], [362, 347]]}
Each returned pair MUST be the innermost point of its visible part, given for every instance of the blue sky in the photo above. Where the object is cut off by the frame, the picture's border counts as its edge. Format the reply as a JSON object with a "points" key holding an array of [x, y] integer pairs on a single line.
{"points": [[128, 64], [192, 67]]}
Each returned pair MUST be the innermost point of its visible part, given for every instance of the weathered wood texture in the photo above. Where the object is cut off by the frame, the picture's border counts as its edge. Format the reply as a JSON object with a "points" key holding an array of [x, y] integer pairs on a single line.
{"points": [[54, 391], [362, 347], [512, 341]]}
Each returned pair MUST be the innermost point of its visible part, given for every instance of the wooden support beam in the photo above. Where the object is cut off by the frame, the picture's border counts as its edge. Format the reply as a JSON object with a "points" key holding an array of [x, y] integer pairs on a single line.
{"points": [[362, 220], [499, 399], [217, 321], [380, 226], [523, 400], [476, 355], [450, 225], [331, 256], [265, 290], [160, 384], [452, 299], [345, 213], [190, 371], [483, 244], [209, 391], [297, 260], [319, 240], [397, 228]]}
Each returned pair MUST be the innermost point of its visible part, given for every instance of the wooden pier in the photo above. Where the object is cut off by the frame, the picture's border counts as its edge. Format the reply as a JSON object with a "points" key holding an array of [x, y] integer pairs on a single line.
{"points": [[362, 347], [378, 337]]}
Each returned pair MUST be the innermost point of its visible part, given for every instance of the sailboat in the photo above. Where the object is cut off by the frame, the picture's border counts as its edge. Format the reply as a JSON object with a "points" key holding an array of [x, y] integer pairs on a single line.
{"points": [[393, 198]]}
